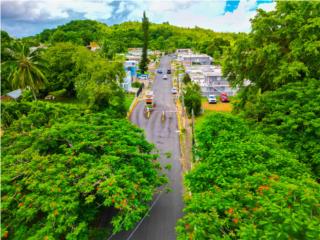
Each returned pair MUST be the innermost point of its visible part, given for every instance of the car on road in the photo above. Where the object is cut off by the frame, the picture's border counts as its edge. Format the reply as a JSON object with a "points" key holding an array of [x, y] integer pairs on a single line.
{"points": [[169, 71], [212, 99], [174, 90], [165, 77], [143, 77], [224, 97], [159, 71]]}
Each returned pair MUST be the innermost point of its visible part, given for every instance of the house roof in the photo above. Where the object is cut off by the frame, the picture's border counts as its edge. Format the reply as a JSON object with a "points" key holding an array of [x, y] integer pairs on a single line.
{"points": [[15, 94]]}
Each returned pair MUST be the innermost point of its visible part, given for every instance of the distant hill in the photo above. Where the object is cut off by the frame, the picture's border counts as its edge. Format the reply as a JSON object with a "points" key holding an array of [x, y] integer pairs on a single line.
{"points": [[163, 36]]}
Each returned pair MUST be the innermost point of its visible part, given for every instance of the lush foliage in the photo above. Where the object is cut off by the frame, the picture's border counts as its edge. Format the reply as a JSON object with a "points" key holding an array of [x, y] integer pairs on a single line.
{"points": [[186, 78], [26, 68], [192, 98], [143, 65], [246, 186], [280, 57], [75, 71], [62, 68], [292, 112], [283, 47], [117, 38], [61, 168]]}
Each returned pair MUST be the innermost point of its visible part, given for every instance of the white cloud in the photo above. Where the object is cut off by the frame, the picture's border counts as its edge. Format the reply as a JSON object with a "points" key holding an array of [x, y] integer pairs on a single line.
{"points": [[205, 13], [58, 9], [187, 13]]}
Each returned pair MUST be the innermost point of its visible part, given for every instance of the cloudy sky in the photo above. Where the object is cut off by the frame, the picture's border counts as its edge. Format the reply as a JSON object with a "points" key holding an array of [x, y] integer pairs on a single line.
{"points": [[28, 17]]}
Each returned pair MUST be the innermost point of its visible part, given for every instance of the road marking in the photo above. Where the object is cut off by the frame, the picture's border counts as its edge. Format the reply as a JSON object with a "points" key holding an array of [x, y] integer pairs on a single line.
{"points": [[153, 204], [141, 221]]}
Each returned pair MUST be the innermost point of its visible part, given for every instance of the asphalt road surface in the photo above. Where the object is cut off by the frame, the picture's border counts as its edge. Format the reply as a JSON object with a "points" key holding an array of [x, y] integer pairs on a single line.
{"points": [[167, 209]]}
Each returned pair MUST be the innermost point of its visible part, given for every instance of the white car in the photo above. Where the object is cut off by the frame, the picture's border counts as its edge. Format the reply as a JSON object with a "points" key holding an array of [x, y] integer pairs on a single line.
{"points": [[212, 99], [165, 77], [174, 90]]}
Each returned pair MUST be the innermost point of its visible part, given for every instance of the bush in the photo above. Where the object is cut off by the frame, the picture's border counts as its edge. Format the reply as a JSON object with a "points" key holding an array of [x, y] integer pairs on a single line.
{"points": [[136, 84], [192, 98]]}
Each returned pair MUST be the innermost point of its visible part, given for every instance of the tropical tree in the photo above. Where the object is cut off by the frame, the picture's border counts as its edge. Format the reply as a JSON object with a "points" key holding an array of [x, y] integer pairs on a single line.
{"points": [[145, 28], [26, 68], [282, 47], [186, 79], [192, 98]]}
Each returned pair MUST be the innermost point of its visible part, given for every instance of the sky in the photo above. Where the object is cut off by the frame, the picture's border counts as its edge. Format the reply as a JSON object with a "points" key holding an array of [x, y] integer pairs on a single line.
{"points": [[22, 18]]}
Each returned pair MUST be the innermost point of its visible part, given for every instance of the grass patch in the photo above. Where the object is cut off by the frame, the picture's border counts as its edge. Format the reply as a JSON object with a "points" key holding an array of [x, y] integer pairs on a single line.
{"points": [[128, 100], [218, 107]]}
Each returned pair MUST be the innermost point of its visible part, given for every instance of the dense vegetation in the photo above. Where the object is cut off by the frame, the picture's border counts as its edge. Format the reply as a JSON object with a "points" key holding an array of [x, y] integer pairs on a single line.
{"points": [[69, 71], [246, 186], [119, 37], [280, 57], [62, 167], [257, 174], [292, 112], [192, 98]]}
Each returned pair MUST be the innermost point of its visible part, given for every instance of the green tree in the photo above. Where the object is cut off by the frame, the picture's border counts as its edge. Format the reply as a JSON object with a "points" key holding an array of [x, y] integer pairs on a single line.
{"points": [[186, 79], [6, 42], [282, 47], [26, 68], [61, 62], [246, 185], [292, 112], [192, 98], [98, 82], [144, 59], [62, 167]]}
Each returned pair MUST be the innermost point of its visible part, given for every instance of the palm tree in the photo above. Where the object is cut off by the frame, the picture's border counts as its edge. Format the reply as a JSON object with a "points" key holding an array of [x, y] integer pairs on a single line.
{"points": [[26, 68]]}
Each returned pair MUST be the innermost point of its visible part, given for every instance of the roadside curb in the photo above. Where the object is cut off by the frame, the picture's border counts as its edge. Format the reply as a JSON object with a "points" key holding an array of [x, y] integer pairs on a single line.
{"points": [[132, 106]]}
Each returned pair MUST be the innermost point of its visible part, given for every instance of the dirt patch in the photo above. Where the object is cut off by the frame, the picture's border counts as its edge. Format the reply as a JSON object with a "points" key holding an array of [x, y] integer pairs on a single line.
{"points": [[218, 107]]}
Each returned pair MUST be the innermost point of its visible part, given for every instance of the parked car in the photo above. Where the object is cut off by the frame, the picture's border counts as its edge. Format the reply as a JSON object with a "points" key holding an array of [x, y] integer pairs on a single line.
{"points": [[143, 77], [174, 90], [165, 77], [169, 71], [212, 99], [159, 71], [224, 97]]}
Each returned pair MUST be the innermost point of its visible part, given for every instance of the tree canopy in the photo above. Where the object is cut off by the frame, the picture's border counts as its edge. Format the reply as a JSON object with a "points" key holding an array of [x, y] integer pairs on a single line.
{"points": [[62, 167], [245, 185]]}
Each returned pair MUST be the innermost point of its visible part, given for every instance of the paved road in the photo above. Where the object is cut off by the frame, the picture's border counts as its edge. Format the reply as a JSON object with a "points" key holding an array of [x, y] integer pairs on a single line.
{"points": [[161, 222]]}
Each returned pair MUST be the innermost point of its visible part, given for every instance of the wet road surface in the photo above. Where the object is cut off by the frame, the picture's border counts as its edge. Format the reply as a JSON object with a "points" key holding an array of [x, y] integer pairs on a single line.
{"points": [[167, 208]]}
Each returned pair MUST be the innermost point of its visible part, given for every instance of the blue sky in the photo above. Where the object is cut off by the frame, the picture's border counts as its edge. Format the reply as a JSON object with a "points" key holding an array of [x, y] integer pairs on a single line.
{"points": [[28, 17]]}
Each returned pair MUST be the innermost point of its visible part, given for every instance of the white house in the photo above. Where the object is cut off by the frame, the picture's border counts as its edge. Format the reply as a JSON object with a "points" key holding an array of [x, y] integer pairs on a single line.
{"points": [[126, 85], [210, 79], [194, 59]]}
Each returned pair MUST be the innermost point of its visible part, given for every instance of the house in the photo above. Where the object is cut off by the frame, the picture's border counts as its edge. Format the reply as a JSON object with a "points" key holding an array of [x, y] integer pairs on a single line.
{"points": [[183, 51], [210, 79], [195, 59], [135, 54], [132, 66], [93, 46], [126, 85], [15, 94]]}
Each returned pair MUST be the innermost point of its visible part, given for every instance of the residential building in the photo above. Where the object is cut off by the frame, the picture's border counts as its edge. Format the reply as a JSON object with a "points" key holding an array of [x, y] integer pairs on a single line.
{"points": [[93, 46], [183, 51], [126, 85], [210, 79], [132, 66], [194, 59]]}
